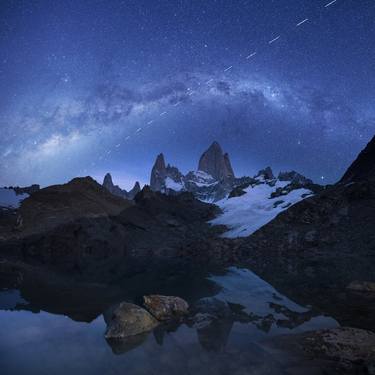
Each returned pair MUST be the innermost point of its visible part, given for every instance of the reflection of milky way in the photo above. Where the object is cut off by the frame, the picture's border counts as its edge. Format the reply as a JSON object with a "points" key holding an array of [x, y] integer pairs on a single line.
{"points": [[259, 78]]}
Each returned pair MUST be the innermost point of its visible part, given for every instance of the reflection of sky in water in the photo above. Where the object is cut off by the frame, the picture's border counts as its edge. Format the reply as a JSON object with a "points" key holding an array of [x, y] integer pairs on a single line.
{"points": [[44, 343]]}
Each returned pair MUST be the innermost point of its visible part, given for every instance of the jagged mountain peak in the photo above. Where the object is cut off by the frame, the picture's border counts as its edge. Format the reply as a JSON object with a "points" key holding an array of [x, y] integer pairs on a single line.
{"points": [[160, 158], [267, 173], [215, 145], [294, 177], [116, 190], [107, 181], [134, 191], [215, 163]]}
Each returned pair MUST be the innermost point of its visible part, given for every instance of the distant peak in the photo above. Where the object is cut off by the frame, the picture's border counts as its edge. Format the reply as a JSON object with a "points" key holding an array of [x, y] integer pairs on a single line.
{"points": [[160, 156], [215, 145], [107, 181], [215, 163]]}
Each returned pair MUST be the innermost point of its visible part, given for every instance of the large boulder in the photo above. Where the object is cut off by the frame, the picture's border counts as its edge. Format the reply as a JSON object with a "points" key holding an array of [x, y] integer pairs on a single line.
{"points": [[166, 307], [129, 320]]}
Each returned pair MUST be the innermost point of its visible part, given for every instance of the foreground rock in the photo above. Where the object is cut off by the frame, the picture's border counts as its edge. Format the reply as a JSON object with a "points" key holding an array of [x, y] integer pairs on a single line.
{"points": [[166, 307], [129, 320], [353, 348], [362, 286]]}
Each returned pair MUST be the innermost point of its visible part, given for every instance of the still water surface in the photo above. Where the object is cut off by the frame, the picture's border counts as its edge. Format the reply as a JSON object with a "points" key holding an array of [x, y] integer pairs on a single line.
{"points": [[45, 343]]}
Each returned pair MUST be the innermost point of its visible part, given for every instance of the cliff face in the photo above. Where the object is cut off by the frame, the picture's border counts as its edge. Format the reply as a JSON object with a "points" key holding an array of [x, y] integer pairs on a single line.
{"points": [[213, 180], [215, 163], [158, 174]]}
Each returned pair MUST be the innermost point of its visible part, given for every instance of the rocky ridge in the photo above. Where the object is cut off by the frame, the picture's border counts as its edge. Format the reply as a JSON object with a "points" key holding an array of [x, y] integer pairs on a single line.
{"points": [[116, 190], [214, 179]]}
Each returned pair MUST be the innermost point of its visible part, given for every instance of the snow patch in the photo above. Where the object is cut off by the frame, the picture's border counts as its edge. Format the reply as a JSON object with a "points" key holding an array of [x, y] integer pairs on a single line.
{"points": [[170, 184], [249, 212]]}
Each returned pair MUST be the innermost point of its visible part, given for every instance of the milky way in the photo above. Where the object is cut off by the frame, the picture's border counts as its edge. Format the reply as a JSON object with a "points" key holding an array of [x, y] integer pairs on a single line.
{"points": [[88, 87]]}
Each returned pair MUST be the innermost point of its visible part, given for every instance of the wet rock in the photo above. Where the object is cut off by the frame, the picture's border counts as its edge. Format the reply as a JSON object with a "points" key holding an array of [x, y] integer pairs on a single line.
{"points": [[166, 307], [362, 286], [123, 345], [353, 348], [129, 320]]}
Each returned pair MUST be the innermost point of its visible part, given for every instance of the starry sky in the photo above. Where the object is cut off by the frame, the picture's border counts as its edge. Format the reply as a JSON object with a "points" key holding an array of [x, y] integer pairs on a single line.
{"points": [[89, 87]]}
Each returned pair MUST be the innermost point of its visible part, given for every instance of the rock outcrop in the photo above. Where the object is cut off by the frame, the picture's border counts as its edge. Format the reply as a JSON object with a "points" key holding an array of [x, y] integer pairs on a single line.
{"points": [[266, 173], [352, 349], [362, 286], [166, 307], [294, 178], [165, 178], [129, 320], [215, 163], [158, 174]]}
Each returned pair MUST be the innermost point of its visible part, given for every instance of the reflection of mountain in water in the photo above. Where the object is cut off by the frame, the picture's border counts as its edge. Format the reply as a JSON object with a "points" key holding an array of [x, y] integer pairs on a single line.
{"points": [[245, 305], [223, 333]]}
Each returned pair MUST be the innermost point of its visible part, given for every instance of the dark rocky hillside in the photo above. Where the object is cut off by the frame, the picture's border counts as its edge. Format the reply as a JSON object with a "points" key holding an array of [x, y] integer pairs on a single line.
{"points": [[323, 243]]}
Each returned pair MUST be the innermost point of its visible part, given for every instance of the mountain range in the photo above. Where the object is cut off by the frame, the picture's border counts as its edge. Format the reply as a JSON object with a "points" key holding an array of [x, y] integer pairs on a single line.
{"points": [[213, 180]]}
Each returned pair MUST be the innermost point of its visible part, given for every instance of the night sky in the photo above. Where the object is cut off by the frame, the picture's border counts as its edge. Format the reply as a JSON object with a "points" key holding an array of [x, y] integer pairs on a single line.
{"points": [[89, 87]]}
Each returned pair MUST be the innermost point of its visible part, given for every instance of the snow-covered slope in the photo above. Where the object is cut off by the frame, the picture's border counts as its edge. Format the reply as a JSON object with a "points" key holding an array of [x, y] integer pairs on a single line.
{"points": [[248, 212], [9, 198], [174, 185]]}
